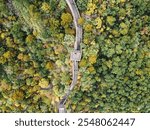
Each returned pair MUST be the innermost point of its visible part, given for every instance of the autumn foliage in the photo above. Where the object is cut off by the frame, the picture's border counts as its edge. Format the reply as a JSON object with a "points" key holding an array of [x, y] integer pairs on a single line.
{"points": [[36, 38]]}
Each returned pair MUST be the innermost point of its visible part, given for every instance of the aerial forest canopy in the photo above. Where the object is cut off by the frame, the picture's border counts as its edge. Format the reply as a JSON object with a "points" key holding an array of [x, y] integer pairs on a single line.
{"points": [[37, 36]]}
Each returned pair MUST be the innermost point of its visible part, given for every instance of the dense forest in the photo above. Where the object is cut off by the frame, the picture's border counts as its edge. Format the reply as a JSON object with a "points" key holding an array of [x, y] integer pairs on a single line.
{"points": [[37, 36]]}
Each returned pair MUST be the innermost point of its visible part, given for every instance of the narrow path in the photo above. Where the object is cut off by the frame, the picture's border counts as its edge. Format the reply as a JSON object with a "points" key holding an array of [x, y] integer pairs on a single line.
{"points": [[75, 55], [76, 16]]}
